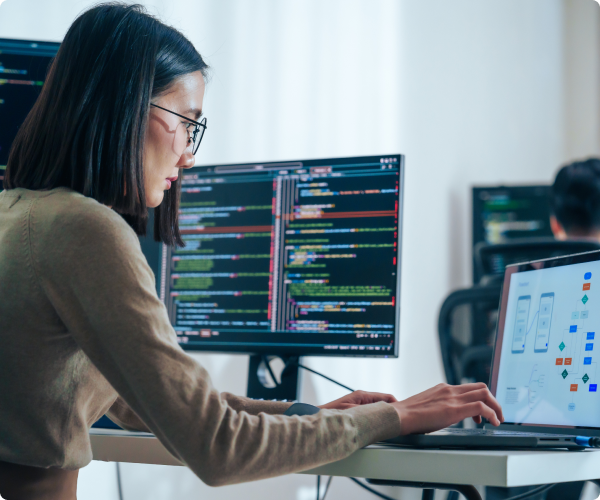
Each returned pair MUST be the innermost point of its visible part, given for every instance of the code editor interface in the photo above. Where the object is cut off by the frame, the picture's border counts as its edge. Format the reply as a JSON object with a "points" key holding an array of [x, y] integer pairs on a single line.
{"points": [[23, 67], [288, 257]]}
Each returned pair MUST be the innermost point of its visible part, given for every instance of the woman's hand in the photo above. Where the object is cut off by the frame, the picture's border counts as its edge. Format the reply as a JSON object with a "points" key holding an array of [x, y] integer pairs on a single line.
{"points": [[444, 405], [358, 398]]}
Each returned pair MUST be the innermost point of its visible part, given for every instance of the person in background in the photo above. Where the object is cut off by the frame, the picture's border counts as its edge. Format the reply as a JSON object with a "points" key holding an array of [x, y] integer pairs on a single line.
{"points": [[575, 201]]}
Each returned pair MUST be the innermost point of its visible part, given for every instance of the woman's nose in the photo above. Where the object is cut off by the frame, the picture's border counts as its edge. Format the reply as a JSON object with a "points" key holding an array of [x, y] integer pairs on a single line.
{"points": [[187, 160]]}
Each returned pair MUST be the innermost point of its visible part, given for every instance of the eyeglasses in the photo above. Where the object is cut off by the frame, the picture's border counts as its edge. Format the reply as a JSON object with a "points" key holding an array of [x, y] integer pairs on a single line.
{"points": [[196, 134]]}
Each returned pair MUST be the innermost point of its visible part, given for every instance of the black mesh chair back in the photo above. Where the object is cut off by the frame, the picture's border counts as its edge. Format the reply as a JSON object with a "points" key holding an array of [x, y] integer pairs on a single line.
{"points": [[467, 330]]}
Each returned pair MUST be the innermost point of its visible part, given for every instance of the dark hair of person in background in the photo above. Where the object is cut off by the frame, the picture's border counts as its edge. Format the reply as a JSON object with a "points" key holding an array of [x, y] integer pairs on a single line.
{"points": [[575, 199], [86, 131]]}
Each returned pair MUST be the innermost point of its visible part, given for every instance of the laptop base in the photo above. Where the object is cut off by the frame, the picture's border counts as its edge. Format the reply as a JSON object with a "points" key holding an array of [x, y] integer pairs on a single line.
{"points": [[472, 439]]}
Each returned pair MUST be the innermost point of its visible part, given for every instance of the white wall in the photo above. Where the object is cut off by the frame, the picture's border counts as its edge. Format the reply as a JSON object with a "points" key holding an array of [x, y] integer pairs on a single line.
{"points": [[581, 76], [472, 92]]}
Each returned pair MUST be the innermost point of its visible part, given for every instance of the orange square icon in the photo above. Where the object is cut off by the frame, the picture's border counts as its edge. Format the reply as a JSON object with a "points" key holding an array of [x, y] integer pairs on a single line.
{"points": [[568, 361], [586, 286], [559, 361], [573, 387]]}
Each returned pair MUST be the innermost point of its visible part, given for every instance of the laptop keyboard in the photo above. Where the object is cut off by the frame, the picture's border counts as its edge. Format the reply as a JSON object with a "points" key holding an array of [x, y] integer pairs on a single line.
{"points": [[490, 432]]}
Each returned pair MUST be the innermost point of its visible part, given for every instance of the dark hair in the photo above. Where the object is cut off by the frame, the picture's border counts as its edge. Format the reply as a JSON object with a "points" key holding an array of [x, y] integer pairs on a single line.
{"points": [[86, 131], [575, 196]]}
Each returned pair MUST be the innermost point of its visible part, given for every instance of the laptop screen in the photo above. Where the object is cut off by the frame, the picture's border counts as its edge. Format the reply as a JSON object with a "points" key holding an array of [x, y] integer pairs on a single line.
{"points": [[546, 355]]}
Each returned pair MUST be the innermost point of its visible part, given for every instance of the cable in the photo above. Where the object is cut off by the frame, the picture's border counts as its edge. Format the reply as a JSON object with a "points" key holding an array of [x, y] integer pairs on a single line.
{"points": [[327, 487], [270, 370], [535, 491], [380, 495], [321, 375], [119, 485]]}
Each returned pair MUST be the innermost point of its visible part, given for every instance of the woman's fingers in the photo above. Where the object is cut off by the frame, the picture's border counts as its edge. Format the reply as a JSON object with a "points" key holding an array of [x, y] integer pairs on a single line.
{"points": [[373, 397], [486, 396], [461, 389], [444, 405], [478, 409], [358, 398]]}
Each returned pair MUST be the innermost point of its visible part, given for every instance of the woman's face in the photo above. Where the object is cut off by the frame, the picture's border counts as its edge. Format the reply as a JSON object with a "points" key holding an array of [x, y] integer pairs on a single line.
{"points": [[167, 148]]}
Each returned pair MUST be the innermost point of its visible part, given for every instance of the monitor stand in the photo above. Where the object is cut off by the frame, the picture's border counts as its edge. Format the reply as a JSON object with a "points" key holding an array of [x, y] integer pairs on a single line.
{"points": [[264, 384]]}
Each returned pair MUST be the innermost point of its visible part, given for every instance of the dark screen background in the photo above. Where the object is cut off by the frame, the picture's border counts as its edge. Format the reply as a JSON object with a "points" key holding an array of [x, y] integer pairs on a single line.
{"points": [[23, 69]]}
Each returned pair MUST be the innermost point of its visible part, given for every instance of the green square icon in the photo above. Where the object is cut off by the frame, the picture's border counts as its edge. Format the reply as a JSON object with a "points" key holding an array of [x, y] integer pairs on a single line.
{"points": [[585, 378], [561, 346], [564, 374], [585, 299]]}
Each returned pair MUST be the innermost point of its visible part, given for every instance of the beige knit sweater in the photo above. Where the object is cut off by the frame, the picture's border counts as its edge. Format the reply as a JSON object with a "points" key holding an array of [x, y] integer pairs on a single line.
{"points": [[83, 333]]}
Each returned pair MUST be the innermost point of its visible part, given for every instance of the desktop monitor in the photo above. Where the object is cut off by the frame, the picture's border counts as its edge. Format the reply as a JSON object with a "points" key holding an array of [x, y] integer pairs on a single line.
{"points": [[23, 68], [505, 213], [287, 258], [502, 213]]}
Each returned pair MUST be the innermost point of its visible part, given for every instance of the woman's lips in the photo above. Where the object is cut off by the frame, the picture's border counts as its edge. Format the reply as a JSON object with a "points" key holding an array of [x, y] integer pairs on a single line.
{"points": [[169, 180]]}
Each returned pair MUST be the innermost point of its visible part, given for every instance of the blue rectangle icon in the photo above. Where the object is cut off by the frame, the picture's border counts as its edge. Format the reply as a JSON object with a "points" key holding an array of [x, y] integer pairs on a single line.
{"points": [[590, 335], [589, 347], [593, 387], [587, 361], [572, 328]]}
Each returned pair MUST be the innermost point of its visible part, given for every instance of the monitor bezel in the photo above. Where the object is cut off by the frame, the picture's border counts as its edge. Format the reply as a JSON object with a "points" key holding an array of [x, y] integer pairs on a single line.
{"points": [[40, 44], [282, 350], [567, 260]]}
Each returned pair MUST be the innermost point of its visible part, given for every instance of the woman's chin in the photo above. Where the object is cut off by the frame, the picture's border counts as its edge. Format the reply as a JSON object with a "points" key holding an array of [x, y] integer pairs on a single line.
{"points": [[155, 199]]}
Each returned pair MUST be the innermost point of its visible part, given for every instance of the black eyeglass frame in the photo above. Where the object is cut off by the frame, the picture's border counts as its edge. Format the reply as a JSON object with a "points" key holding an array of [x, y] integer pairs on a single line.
{"points": [[197, 127]]}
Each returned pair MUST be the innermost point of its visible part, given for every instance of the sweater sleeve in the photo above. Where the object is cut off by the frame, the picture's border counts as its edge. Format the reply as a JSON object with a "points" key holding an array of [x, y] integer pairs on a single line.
{"points": [[90, 265], [254, 406], [125, 417], [122, 415]]}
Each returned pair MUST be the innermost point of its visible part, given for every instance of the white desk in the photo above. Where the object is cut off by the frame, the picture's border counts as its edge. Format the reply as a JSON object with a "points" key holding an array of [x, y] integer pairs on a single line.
{"points": [[487, 468]]}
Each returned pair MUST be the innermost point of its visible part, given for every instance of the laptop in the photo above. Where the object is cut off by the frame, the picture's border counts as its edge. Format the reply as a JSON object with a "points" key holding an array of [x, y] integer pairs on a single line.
{"points": [[545, 367]]}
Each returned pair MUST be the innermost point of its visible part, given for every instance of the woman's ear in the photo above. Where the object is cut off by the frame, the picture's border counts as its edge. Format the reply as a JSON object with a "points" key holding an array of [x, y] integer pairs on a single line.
{"points": [[557, 229]]}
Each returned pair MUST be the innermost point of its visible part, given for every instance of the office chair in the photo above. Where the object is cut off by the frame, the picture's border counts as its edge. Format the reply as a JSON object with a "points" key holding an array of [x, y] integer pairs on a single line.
{"points": [[490, 260], [467, 329]]}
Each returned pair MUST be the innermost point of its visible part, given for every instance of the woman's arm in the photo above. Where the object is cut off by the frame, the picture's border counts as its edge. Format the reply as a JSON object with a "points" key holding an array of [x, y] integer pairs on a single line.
{"points": [[90, 266], [125, 417], [254, 406]]}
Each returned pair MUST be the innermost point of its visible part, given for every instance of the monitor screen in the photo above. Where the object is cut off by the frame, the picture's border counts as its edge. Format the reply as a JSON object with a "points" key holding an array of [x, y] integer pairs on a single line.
{"points": [[23, 67], [501, 214], [301, 257]]}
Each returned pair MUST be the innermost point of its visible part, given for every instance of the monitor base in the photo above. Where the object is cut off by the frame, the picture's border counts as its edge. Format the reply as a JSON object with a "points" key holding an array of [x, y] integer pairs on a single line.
{"points": [[263, 383]]}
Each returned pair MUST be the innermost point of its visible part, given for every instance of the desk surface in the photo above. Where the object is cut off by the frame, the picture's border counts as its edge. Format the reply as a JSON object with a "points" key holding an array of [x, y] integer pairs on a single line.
{"points": [[489, 468]]}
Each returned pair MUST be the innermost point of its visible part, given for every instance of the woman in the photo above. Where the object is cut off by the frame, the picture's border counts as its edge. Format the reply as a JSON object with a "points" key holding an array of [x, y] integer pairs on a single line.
{"points": [[82, 330]]}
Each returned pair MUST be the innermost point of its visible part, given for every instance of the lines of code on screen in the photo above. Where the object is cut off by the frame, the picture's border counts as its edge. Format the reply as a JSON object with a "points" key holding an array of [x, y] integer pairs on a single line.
{"points": [[23, 67], [300, 256]]}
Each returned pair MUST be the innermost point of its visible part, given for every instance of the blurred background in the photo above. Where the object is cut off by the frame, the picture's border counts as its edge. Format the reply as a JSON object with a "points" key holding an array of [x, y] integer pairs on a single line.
{"points": [[473, 93]]}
